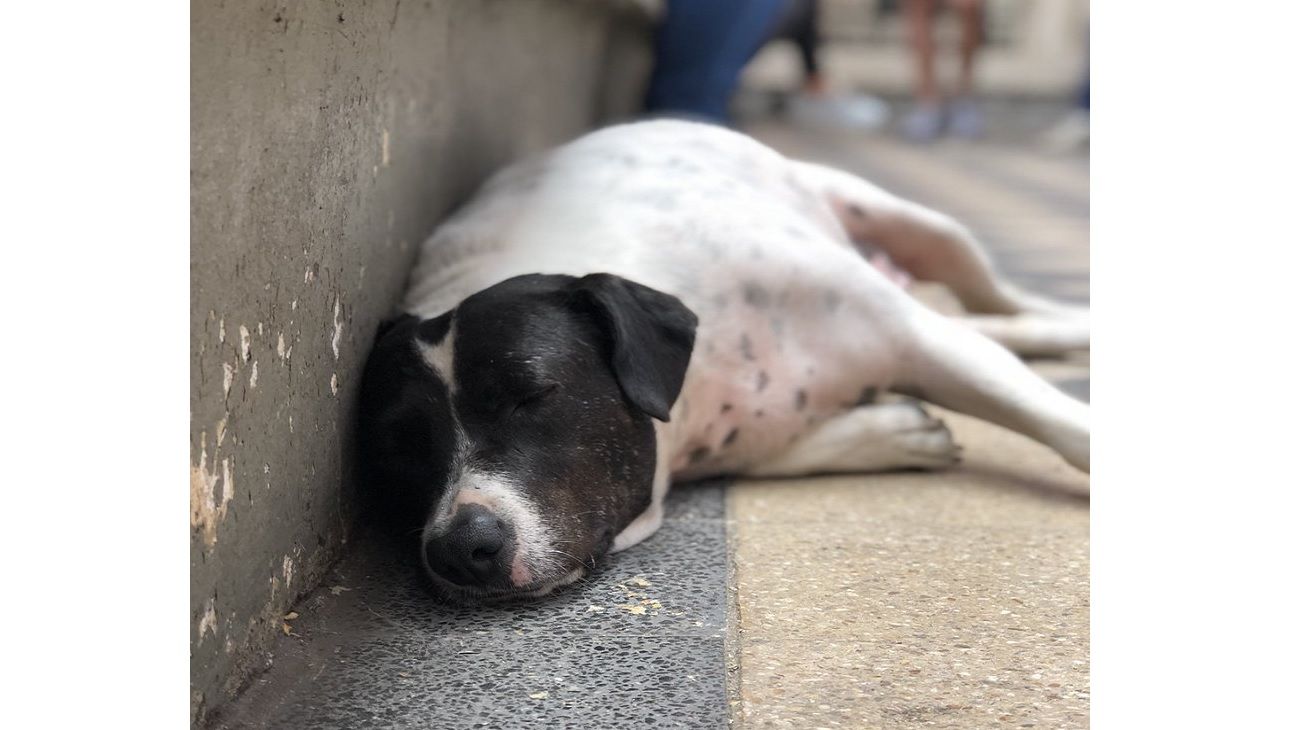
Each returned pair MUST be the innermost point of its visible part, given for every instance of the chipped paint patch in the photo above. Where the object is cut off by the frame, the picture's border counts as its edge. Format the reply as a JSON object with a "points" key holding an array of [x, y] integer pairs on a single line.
{"points": [[227, 487], [338, 329], [279, 346], [208, 623], [205, 511], [287, 569], [245, 343], [334, 383], [252, 378], [221, 331], [307, 277], [227, 377]]}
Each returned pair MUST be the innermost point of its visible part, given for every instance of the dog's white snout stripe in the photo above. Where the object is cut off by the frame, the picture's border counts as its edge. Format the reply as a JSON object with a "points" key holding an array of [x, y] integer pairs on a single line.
{"points": [[534, 546]]}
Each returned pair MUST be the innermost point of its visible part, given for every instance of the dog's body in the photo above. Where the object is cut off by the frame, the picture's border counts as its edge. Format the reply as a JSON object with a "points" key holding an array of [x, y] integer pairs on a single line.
{"points": [[797, 330]]}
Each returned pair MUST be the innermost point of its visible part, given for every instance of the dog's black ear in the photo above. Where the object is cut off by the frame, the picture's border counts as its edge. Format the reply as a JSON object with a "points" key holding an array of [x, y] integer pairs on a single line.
{"points": [[650, 336]]}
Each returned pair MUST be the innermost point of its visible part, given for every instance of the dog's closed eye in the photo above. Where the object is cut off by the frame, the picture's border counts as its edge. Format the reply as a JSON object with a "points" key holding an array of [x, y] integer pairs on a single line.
{"points": [[534, 398]]}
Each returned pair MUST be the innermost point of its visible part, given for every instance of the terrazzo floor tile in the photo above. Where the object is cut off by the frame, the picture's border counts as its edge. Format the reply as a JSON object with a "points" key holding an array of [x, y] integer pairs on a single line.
{"points": [[642, 639]]}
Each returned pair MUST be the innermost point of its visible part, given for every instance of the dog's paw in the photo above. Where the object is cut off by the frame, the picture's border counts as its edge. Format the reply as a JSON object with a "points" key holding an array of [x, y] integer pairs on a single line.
{"points": [[910, 438]]}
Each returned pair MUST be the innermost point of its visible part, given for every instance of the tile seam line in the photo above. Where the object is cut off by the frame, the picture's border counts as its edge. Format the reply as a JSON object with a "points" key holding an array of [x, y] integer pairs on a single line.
{"points": [[732, 651]]}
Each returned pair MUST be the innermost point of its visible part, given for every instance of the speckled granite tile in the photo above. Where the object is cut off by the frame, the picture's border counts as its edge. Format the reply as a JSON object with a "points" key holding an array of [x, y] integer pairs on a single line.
{"points": [[701, 500], [642, 638], [505, 682]]}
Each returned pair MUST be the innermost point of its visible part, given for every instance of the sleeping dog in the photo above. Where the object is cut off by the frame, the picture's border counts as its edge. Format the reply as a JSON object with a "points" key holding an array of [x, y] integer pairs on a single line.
{"points": [[665, 301]]}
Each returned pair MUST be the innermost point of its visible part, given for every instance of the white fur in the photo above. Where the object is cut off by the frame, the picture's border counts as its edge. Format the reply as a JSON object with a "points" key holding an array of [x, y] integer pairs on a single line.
{"points": [[442, 356]]}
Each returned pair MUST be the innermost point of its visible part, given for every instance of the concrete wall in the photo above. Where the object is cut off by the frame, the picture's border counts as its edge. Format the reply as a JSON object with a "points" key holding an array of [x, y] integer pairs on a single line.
{"points": [[328, 139]]}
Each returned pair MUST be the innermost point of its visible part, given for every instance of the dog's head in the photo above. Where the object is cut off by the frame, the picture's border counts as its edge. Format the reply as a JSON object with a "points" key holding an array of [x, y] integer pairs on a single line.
{"points": [[513, 434]]}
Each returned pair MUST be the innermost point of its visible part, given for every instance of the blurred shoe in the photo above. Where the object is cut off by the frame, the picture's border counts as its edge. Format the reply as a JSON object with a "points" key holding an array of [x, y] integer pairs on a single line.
{"points": [[854, 112], [1069, 134], [966, 119], [924, 123]]}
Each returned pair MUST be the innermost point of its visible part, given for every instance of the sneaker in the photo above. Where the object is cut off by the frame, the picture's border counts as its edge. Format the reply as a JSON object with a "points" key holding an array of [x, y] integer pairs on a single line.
{"points": [[924, 123], [966, 119], [854, 112]]}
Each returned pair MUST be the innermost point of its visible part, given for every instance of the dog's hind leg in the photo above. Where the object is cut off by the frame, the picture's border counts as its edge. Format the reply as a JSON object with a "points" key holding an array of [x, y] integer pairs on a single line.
{"points": [[876, 438], [1034, 335], [926, 244], [952, 365]]}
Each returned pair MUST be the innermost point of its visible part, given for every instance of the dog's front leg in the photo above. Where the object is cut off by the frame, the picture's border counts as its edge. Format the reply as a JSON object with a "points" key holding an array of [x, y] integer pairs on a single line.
{"points": [[877, 438]]}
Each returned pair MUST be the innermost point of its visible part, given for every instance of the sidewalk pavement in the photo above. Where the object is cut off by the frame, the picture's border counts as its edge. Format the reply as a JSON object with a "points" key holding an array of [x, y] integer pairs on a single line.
{"points": [[956, 599]]}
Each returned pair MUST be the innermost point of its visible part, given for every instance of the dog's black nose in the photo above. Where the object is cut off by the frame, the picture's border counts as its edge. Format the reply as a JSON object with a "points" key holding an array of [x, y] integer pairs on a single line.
{"points": [[475, 550]]}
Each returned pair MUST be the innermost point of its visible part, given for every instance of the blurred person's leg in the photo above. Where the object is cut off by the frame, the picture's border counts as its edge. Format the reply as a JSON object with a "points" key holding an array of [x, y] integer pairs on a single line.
{"points": [[802, 29], [967, 120], [925, 121], [700, 49], [815, 105]]}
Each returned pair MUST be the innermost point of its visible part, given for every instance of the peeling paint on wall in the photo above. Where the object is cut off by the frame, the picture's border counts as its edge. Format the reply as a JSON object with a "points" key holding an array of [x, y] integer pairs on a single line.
{"points": [[205, 511], [208, 624], [338, 329]]}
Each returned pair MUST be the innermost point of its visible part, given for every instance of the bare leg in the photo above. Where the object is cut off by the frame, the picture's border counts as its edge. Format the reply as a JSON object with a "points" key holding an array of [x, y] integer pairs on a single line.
{"points": [[884, 437], [971, 13], [920, 20], [925, 122]]}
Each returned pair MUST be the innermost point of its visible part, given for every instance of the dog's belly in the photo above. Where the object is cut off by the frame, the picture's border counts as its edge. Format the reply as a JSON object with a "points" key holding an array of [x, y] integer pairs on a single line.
{"points": [[757, 383]]}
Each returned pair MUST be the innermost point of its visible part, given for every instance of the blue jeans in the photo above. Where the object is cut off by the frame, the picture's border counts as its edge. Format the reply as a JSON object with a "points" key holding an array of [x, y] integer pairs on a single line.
{"points": [[701, 48]]}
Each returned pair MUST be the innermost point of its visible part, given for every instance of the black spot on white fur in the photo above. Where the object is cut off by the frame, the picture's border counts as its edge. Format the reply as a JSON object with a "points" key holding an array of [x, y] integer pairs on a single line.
{"points": [[831, 300], [755, 295]]}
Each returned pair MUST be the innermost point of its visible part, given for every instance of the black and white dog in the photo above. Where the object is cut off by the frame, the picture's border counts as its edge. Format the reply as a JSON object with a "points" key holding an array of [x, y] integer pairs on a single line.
{"points": [[669, 300]]}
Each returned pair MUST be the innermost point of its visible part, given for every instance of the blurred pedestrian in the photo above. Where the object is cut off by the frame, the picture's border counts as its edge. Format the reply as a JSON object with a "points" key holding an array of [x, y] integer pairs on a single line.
{"points": [[815, 105], [701, 47], [960, 112]]}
